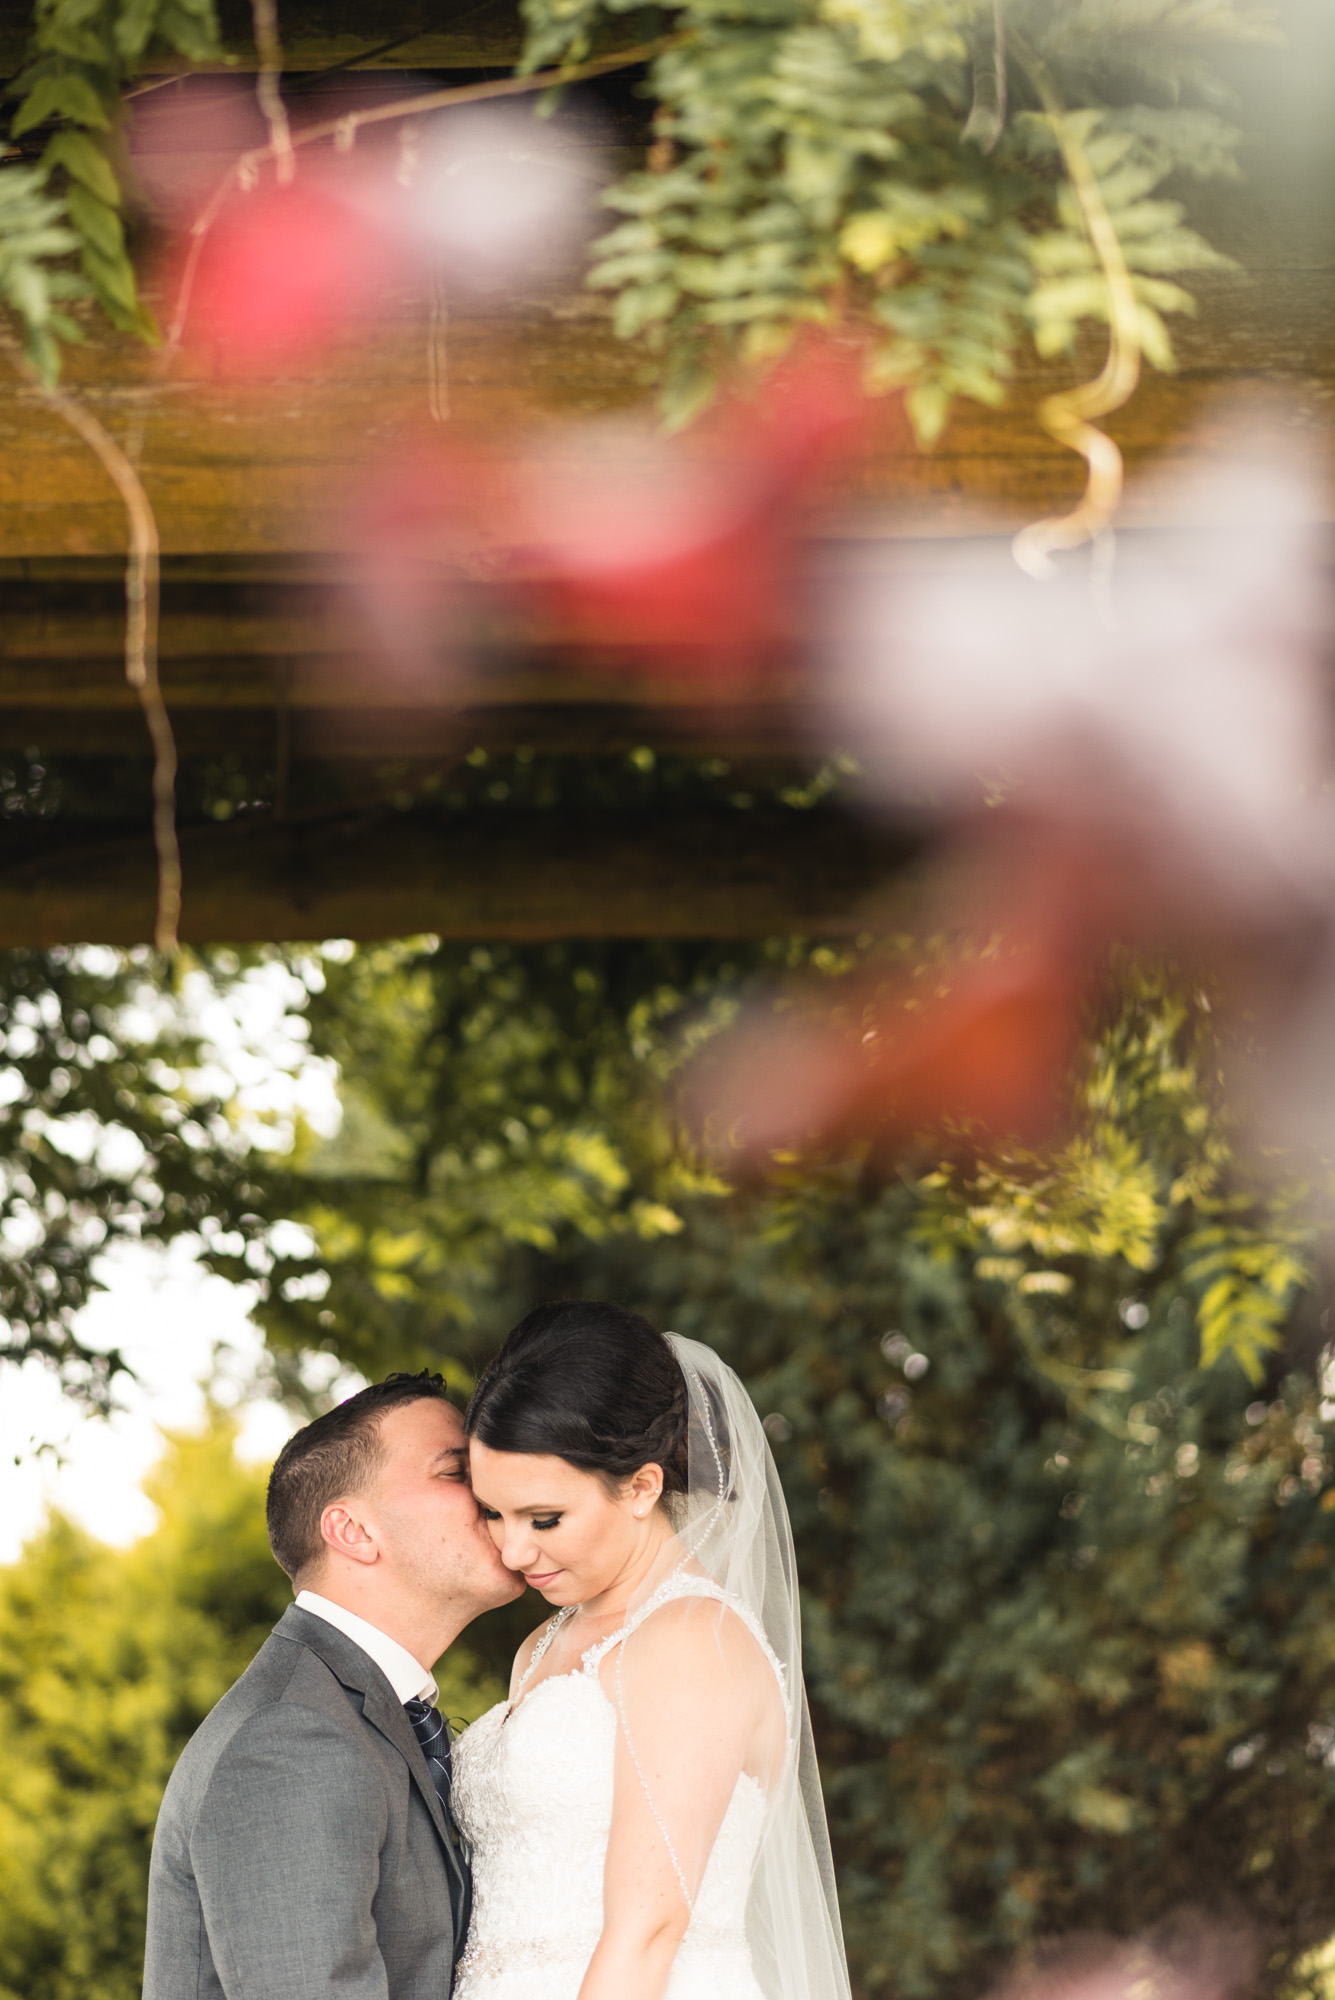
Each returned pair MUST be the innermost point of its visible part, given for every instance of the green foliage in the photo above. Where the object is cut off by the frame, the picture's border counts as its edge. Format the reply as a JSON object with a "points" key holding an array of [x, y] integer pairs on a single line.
{"points": [[1066, 1675], [1069, 1641], [505, 1110], [83, 51], [817, 161], [102, 1140], [823, 161], [1130, 155], [108, 1662], [499, 1105], [1149, 1178], [34, 234]]}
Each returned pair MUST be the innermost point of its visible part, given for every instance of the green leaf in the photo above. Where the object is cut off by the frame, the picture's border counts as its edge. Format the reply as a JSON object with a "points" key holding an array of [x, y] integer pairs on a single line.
{"points": [[191, 31], [84, 162], [68, 284], [43, 352], [26, 292], [81, 44], [1154, 339], [112, 278], [66, 13], [137, 320], [26, 245], [134, 27], [1068, 299], [928, 407], [1166, 297], [96, 223], [686, 394], [642, 306], [63, 95]]}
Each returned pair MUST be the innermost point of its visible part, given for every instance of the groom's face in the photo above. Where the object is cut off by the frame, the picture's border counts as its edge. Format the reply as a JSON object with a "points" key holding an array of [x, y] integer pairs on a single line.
{"points": [[425, 1518]]}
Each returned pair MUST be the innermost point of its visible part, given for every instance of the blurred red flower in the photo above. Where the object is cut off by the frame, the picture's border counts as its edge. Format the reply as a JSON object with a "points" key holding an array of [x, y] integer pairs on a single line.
{"points": [[282, 273]]}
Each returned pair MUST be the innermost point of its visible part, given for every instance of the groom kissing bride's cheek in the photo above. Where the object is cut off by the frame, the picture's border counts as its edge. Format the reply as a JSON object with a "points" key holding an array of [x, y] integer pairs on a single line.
{"points": [[639, 1820]]}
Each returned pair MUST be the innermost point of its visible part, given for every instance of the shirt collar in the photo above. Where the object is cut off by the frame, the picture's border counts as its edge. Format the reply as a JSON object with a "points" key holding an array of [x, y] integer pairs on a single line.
{"points": [[407, 1676]]}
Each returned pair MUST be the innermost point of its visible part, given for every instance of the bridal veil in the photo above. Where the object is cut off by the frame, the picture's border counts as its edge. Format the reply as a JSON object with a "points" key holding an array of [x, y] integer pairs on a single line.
{"points": [[733, 1545]]}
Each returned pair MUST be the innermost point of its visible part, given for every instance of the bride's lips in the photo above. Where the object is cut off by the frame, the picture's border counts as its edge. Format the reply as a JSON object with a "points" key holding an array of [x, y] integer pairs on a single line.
{"points": [[536, 1582]]}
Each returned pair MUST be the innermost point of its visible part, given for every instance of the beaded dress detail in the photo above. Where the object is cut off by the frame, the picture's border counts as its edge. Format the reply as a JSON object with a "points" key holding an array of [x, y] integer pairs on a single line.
{"points": [[533, 1794]]}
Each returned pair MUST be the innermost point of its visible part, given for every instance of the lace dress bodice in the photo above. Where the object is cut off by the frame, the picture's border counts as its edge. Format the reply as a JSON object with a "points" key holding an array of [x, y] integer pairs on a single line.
{"points": [[533, 1793]]}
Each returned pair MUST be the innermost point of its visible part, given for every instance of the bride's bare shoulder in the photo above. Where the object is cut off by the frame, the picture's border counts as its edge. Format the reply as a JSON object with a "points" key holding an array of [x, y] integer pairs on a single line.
{"points": [[699, 1634]]}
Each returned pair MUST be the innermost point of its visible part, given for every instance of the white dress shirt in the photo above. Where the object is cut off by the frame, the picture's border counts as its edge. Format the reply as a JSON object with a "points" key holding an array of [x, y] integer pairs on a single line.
{"points": [[407, 1676]]}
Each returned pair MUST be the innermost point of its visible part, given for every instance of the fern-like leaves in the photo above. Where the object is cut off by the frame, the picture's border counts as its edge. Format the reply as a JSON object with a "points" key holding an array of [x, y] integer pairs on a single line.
{"points": [[813, 165], [68, 203]]}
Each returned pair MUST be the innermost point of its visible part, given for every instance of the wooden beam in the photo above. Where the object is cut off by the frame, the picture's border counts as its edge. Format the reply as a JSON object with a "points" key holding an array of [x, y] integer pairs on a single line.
{"points": [[247, 469], [489, 875], [267, 659], [441, 740], [556, 728], [244, 470], [347, 34], [278, 651]]}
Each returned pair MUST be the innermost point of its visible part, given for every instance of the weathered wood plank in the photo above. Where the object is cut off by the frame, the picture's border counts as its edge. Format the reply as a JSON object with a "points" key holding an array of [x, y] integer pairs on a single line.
{"points": [[490, 876], [236, 473], [241, 469], [340, 33], [414, 735]]}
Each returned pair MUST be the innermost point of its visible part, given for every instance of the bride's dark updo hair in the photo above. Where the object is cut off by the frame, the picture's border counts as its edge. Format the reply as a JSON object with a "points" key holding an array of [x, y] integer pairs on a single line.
{"points": [[590, 1383]]}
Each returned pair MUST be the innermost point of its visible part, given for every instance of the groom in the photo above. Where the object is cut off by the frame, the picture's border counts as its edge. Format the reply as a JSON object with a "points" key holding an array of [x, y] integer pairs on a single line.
{"points": [[305, 1849]]}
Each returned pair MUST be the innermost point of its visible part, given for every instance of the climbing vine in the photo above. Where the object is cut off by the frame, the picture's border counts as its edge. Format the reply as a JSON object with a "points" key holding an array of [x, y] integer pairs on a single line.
{"points": [[927, 170], [951, 179], [922, 168], [69, 204]]}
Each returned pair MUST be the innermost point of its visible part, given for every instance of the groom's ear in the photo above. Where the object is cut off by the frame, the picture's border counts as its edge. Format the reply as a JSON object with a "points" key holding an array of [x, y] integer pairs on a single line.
{"points": [[343, 1530]]}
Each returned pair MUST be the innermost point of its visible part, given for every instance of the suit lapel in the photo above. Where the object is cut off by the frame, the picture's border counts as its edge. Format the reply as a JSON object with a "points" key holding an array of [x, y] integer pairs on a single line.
{"points": [[379, 1704], [385, 1713]]}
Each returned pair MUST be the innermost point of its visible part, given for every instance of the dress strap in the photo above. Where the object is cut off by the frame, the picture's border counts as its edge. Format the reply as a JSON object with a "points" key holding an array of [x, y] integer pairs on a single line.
{"points": [[545, 1637]]}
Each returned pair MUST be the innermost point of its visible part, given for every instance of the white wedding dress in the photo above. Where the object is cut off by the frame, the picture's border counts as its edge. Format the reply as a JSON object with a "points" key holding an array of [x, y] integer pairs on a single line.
{"points": [[533, 1794], [534, 1778]]}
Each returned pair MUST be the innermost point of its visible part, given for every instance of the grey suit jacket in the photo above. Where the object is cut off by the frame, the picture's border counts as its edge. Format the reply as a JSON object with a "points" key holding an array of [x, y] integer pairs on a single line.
{"points": [[301, 1852]]}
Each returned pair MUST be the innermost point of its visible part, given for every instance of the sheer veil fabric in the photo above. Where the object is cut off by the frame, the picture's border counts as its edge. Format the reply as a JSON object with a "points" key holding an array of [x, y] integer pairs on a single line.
{"points": [[732, 1552]]}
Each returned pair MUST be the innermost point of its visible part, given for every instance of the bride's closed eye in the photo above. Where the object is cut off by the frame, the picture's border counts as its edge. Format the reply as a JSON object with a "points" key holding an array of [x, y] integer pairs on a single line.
{"points": [[543, 1522]]}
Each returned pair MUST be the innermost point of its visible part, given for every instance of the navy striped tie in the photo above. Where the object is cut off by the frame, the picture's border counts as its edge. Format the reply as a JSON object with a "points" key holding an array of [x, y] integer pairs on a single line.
{"points": [[430, 1731]]}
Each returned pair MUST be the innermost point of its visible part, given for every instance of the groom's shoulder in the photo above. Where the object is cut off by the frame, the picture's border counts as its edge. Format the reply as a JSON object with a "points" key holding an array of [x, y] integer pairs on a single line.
{"points": [[288, 1690]]}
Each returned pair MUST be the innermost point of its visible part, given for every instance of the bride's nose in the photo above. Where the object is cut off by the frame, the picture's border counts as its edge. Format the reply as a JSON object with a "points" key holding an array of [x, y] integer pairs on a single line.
{"points": [[519, 1551]]}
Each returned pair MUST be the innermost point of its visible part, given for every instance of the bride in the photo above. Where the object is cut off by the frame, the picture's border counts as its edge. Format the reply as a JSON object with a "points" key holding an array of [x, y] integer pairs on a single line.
{"points": [[644, 1811]]}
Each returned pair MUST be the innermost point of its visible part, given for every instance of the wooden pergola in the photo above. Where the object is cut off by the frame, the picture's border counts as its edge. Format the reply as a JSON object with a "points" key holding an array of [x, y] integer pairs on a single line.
{"points": [[260, 661]]}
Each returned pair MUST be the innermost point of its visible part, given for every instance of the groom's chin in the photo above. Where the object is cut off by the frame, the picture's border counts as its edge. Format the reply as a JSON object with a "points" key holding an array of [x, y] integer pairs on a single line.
{"points": [[509, 1586]]}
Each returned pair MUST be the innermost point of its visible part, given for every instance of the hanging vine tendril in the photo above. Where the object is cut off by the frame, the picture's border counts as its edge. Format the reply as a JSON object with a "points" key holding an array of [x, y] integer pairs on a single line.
{"points": [[142, 577], [1069, 415], [244, 171], [987, 117], [143, 561], [268, 90]]}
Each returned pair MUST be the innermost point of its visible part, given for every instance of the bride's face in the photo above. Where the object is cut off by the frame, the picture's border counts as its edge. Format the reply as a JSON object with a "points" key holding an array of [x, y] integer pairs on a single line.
{"points": [[564, 1530]]}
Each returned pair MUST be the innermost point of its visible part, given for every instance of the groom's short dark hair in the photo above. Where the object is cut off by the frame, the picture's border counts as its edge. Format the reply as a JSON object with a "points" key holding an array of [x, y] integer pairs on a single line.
{"points": [[337, 1455]]}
